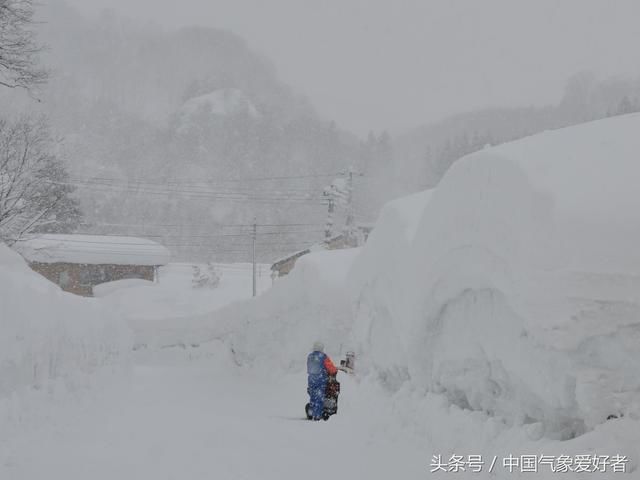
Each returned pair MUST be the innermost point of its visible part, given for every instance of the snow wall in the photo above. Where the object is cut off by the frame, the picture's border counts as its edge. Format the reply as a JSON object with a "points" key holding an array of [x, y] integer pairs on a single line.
{"points": [[519, 294], [380, 330], [49, 339]]}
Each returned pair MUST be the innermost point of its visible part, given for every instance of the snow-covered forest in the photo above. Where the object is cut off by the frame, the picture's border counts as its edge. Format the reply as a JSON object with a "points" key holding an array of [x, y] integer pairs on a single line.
{"points": [[148, 118], [208, 245]]}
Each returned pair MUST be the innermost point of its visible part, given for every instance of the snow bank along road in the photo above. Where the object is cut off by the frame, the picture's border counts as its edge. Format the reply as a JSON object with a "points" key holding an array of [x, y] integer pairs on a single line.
{"points": [[205, 419]]}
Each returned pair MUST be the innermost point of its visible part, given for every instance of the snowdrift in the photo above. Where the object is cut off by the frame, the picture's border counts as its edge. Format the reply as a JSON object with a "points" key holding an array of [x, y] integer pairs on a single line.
{"points": [[50, 339], [110, 288], [519, 295], [277, 330], [171, 311], [274, 331]]}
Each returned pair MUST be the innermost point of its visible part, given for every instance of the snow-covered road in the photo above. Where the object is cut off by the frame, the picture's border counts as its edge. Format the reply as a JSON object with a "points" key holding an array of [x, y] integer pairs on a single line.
{"points": [[198, 420]]}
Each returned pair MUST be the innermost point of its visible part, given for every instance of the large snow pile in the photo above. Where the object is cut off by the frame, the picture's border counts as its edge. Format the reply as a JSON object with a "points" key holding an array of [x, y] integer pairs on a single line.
{"points": [[519, 295], [276, 330], [379, 297], [48, 338]]}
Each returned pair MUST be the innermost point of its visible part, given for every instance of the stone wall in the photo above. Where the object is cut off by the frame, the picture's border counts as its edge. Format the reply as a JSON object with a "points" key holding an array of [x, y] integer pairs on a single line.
{"points": [[81, 278]]}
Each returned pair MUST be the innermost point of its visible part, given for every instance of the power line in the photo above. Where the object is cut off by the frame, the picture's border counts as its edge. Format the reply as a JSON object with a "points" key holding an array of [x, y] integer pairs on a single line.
{"points": [[211, 190], [195, 186], [177, 235], [192, 187], [164, 189], [200, 189], [219, 180], [247, 198], [215, 251], [193, 225], [142, 247], [259, 244]]}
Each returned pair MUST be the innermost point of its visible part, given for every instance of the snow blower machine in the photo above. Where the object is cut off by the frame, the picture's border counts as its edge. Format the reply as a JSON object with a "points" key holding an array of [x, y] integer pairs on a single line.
{"points": [[331, 393], [332, 390]]}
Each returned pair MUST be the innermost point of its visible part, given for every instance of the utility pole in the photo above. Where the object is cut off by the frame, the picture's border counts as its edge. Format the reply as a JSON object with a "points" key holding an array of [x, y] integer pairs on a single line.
{"points": [[329, 192], [350, 210], [350, 223], [254, 236]]}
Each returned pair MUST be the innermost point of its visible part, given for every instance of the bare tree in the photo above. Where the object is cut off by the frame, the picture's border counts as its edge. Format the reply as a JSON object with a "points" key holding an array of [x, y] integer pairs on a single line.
{"points": [[18, 47], [35, 193]]}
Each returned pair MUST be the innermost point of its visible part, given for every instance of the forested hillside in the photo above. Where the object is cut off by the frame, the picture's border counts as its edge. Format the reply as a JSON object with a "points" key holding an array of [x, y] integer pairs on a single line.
{"points": [[158, 127], [424, 154]]}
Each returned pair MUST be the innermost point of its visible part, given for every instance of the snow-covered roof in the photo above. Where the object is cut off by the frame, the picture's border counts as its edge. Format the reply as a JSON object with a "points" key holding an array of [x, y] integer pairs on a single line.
{"points": [[291, 256], [316, 247], [92, 249]]}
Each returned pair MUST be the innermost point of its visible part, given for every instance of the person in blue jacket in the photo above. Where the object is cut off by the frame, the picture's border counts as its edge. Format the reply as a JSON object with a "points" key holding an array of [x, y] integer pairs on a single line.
{"points": [[319, 367]]}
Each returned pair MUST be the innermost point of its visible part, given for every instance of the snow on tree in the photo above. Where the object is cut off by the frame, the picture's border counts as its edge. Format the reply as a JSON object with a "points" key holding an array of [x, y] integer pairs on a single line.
{"points": [[18, 47], [35, 193], [626, 106], [206, 277]]}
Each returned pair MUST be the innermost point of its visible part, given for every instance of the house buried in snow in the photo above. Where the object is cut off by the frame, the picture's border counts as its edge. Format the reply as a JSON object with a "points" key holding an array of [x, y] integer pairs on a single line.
{"points": [[77, 263], [284, 266]]}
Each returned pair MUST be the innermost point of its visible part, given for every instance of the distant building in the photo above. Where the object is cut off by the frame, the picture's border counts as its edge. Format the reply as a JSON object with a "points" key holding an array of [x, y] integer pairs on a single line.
{"points": [[77, 263], [283, 266]]}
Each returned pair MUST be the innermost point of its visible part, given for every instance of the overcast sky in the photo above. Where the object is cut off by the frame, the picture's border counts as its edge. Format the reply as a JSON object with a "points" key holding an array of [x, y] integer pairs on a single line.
{"points": [[395, 64]]}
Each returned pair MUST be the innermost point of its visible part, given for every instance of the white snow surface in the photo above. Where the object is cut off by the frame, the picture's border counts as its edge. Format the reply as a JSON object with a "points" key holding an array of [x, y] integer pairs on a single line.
{"points": [[378, 295], [496, 315], [273, 332], [50, 341], [205, 418], [108, 288], [170, 311], [92, 249], [193, 412], [519, 296]]}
